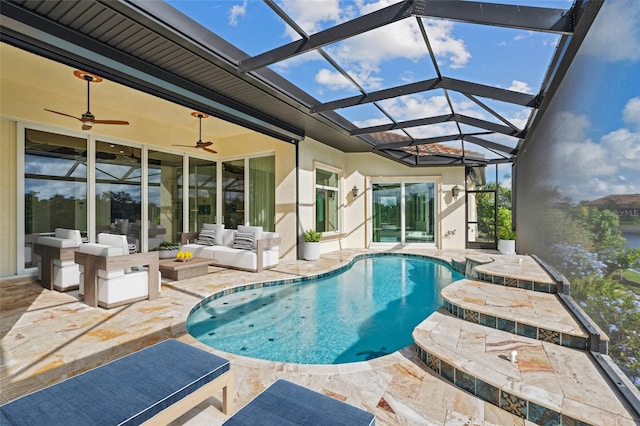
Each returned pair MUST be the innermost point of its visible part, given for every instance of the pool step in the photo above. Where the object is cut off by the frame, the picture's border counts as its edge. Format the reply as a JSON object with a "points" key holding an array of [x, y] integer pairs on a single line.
{"points": [[526, 313], [549, 384], [512, 271]]}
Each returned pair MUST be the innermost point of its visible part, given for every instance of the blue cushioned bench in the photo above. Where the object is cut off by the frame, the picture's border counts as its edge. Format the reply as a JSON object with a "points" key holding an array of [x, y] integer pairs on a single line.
{"points": [[287, 404], [156, 384]]}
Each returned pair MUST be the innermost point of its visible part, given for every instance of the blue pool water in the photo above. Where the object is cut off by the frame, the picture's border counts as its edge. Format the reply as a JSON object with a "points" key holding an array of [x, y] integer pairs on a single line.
{"points": [[364, 312]]}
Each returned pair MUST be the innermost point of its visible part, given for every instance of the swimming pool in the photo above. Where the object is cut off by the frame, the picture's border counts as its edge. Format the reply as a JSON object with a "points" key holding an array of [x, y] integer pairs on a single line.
{"points": [[361, 312]]}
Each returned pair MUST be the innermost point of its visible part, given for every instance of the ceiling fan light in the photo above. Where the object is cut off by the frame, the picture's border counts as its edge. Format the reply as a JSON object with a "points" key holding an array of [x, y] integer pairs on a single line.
{"points": [[87, 123], [199, 147]]}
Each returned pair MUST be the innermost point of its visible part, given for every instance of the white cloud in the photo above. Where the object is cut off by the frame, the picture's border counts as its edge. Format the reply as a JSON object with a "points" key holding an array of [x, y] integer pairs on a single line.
{"points": [[236, 12], [522, 36], [362, 55], [520, 86], [631, 113], [590, 169], [615, 34], [311, 14], [332, 80]]}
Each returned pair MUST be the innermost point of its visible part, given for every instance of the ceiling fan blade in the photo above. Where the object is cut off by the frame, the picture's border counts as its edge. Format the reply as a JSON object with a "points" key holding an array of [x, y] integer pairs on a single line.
{"points": [[210, 150], [110, 122], [62, 113], [188, 146], [205, 144]]}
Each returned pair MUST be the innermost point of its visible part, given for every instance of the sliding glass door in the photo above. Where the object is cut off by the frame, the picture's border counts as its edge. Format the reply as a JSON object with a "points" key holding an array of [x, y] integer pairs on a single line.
{"points": [[403, 212], [118, 189], [419, 208], [164, 198], [387, 220], [55, 186], [202, 193]]}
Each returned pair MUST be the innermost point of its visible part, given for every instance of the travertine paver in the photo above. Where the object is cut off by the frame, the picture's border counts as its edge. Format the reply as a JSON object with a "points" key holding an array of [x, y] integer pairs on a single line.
{"points": [[562, 379], [525, 306], [48, 336]]}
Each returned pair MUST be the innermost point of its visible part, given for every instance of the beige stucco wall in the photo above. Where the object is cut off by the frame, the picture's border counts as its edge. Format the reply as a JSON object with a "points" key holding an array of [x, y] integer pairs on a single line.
{"points": [[8, 192], [357, 169]]}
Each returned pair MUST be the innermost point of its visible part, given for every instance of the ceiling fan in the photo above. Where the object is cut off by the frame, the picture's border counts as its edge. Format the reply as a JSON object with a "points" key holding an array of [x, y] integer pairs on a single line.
{"points": [[200, 145], [87, 119]]}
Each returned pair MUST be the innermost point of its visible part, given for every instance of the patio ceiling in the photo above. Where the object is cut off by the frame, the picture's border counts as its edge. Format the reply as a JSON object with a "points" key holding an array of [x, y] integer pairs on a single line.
{"points": [[460, 116]]}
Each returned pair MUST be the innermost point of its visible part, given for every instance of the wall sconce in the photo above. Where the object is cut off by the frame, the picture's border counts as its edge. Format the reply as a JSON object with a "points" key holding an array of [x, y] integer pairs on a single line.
{"points": [[455, 191], [354, 191]]}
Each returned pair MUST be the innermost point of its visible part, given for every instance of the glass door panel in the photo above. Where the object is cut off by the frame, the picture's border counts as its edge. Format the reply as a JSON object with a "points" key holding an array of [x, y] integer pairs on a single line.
{"points": [[118, 189], [55, 186], [202, 193], [419, 212], [233, 193], [386, 212], [165, 199]]}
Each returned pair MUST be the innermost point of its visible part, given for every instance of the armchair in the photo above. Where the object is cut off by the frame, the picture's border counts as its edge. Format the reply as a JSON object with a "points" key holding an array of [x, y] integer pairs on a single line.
{"points": [[54, 257], [110, 276]]}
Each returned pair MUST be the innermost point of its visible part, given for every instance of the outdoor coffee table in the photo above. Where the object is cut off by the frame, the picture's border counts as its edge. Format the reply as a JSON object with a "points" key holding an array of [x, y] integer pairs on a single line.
{"points": [[179, 270]]}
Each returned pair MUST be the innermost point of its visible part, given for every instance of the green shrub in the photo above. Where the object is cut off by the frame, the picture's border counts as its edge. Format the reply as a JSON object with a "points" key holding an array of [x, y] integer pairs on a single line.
{"points": [[312, 236], [505, 231]]}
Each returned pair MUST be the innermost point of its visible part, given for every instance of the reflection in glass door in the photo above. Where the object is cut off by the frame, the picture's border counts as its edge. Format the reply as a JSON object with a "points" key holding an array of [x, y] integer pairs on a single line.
{"points": [[55, 186], [233, 193], [202, 193], [118, 189], [386, 212], [419, 212], [165, 199], [403, 212]]}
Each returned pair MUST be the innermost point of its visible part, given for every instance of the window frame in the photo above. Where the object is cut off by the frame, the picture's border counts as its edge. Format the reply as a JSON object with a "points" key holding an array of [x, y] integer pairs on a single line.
{"points": [[317, 165]]}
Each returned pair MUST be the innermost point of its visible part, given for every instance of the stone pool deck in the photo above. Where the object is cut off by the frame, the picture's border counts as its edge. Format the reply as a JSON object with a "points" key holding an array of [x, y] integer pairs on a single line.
{"points": [[47, 336]]}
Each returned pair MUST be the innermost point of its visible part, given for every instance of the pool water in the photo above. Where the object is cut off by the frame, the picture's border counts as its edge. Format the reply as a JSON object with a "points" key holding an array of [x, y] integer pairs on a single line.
{"points": [[364, 312]]}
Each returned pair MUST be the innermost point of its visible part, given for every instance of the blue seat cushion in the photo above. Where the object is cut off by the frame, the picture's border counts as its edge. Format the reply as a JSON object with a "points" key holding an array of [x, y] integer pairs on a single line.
{"points": [[287, 404], [127, 391]]}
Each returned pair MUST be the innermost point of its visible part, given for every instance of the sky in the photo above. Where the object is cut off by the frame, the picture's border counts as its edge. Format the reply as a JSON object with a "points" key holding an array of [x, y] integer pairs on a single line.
{"points": [[601, 127], [391, 56]]}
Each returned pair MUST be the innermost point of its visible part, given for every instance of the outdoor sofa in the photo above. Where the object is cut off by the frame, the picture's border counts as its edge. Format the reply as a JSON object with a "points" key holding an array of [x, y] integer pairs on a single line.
{"points": [[247, 248]]}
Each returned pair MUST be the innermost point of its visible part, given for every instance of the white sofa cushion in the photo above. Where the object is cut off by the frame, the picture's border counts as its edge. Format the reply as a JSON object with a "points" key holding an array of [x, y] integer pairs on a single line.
{"points": [[198, 250], [100, 249], [228, 236], [66, 276], [62, 238], [69, 234], [115, 241]]}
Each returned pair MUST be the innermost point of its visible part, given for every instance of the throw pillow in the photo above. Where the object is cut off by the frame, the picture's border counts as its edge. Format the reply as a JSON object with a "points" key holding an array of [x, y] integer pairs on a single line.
{"points": [[243, 240], [206, 237]]}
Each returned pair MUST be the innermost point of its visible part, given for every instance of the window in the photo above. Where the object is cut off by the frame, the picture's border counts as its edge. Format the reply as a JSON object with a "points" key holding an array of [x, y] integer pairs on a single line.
{"points": [[327, 200]]}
